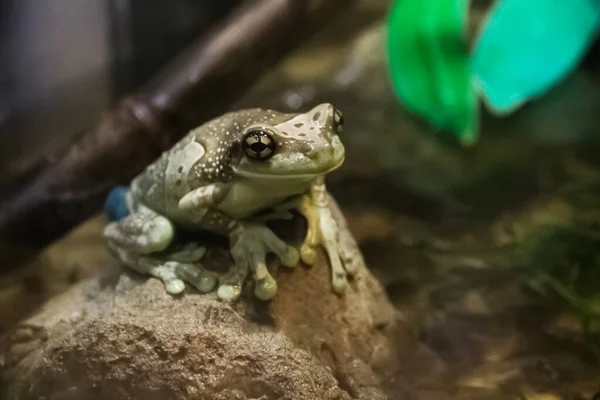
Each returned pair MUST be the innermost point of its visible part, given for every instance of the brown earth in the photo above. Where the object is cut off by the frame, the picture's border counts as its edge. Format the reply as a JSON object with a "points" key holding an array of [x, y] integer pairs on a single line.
{"points": [[120, 336]]}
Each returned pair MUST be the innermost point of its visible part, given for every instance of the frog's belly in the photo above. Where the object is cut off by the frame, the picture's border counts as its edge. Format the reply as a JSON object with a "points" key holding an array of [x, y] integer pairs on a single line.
{"points": [[247, 197]]}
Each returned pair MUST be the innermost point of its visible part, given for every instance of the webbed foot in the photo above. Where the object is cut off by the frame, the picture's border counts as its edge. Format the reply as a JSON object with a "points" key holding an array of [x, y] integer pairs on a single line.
{"points": [[323, 230], [174, 270], [250, 245]]}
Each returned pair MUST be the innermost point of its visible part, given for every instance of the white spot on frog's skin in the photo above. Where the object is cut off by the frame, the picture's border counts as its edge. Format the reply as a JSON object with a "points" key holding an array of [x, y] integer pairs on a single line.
{"points": [[180, 163], [299, 127]]}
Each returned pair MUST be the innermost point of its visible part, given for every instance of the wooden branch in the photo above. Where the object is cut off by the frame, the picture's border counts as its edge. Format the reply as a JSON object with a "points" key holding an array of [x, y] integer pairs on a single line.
{"points": [[197, 86]]}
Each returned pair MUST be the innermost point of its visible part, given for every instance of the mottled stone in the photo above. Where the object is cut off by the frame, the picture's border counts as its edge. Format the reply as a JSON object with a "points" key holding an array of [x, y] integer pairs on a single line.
{"points": [[120, 336]]}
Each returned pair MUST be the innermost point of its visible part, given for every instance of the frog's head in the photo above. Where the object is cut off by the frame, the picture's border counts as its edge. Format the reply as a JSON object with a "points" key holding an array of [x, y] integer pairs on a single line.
{"points": [[292, 145]]}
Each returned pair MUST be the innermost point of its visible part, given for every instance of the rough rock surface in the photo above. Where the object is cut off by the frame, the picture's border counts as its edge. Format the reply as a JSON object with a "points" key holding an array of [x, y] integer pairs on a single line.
{"points": [[120, 336]]}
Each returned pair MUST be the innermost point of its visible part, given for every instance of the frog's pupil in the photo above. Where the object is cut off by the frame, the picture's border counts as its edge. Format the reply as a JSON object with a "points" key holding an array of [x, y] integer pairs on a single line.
{"points": [[258, 147]]}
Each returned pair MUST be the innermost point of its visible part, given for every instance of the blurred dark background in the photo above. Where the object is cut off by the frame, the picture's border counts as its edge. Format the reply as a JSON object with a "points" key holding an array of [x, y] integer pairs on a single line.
{"points": [[64, 62]]}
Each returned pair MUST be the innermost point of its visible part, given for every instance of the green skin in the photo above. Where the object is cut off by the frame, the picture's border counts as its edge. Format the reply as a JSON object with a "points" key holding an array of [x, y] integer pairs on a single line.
{"points": [[209, 181]]}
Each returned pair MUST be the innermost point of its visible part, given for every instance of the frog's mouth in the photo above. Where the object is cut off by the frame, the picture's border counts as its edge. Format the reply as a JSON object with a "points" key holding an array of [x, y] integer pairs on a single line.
{"points": [[301, 176]]}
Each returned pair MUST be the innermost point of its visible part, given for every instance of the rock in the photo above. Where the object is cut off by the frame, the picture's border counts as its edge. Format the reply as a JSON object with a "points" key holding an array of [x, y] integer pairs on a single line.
{"points": [[121, 336]]}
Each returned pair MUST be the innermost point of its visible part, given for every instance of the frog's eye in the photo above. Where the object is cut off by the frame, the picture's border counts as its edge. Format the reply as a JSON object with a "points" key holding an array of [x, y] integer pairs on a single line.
{"points": [[258, 145], [338, 121]]}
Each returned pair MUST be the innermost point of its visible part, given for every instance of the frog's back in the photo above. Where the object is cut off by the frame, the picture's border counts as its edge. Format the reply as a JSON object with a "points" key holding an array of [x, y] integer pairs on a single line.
{"points": [[148, 187], [201, 157]]}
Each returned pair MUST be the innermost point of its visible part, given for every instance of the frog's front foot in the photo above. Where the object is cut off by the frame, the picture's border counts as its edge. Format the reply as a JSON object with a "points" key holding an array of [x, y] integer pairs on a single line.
{"points": [[250, 243], [323, 230]]}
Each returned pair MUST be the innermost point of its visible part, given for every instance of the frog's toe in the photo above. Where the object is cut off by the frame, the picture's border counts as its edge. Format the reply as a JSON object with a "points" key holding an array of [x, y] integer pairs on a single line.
{"points": [[166, 273], [231, 283], [287, 254], [229, 292], [205, 284], [308, 254], [195, 275], [339, 282], [290, 258], [265, 288], [339, 275], [174, 286], [349, 259]]}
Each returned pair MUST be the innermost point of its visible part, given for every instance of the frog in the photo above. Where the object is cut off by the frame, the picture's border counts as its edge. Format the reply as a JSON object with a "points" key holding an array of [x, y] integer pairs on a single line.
{"points": [[220, 178]]}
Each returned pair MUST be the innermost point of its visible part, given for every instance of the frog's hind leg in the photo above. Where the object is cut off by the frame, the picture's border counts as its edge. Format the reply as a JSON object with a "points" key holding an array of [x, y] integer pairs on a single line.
{"points": [[172, 269], [174, 273], [230, 283], [149, 266], [143, 232], [139, 234], [139, 241]]}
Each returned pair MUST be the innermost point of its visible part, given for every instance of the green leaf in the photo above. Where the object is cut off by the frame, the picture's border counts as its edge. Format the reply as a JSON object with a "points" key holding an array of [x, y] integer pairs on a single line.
{"points": [[429, 64]]}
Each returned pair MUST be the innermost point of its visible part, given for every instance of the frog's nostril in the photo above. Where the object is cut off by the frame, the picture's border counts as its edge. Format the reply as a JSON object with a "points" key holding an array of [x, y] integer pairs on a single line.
{"points": [[338, 121]]}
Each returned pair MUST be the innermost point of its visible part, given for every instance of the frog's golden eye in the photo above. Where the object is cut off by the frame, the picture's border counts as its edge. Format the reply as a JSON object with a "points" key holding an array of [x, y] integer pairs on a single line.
{"points": [[338, 121], [258, 145]]}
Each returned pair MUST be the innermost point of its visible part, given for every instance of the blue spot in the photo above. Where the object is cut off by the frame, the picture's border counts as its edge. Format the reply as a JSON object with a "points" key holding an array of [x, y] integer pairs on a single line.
{"points": [[115, 206]]}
